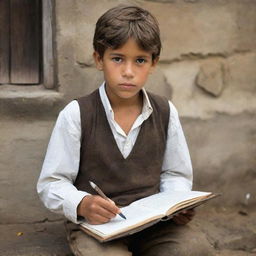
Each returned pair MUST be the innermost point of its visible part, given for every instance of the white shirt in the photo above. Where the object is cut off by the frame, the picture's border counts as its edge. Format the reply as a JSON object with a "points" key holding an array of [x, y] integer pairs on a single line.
{"points": [[61, 164]]}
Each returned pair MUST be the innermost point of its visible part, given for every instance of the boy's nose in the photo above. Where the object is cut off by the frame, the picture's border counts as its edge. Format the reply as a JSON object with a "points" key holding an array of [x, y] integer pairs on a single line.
{"points": [[128, 71]]}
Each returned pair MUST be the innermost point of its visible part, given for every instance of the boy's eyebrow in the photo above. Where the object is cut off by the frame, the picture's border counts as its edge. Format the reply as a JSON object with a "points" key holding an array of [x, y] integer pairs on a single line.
{"points": [[122, 55], [116, 54]]}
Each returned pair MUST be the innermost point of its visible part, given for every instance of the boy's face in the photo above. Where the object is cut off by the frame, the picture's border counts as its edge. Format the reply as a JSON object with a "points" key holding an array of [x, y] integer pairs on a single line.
{"points": [[126, 70]]}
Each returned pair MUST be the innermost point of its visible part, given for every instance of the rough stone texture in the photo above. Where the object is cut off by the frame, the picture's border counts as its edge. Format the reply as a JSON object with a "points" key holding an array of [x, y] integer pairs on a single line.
{"points": [[211, 78], [237, 97]]}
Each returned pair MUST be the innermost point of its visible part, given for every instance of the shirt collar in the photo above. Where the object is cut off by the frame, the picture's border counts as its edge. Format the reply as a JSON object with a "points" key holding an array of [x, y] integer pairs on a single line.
{"points": [[146, 109]]}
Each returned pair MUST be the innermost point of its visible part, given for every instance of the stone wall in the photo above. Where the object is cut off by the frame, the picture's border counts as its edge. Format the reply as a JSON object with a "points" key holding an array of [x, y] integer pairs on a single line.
{"points": [[207, 69]]}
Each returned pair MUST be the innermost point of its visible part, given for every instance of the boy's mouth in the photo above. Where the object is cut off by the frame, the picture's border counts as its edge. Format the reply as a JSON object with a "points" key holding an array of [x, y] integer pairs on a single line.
{"points": [[127, 85]]}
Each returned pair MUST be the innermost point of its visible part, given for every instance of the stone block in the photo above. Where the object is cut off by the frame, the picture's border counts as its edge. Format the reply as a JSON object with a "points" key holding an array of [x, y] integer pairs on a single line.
{"points": [[211, 77]]}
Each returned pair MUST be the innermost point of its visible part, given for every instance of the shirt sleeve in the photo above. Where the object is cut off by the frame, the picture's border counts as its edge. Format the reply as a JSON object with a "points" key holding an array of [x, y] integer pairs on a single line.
{"points": [[177, 173], [60, 167]]}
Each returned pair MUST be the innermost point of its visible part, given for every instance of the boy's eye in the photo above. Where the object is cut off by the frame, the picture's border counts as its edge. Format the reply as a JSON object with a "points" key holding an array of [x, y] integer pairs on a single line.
{"points": [[140, 60], [117, 59]]}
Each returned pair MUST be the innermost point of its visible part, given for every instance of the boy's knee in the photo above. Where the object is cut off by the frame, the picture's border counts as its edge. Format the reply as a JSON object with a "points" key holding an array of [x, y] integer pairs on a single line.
{"points": [[177, 241], [192, 242], [83, 245], [173, 249], [193, 247], [195, 243]]}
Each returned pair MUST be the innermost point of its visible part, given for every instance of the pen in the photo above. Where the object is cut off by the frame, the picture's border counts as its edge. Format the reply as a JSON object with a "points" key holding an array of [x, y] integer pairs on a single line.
{"points": [[100, 192]]}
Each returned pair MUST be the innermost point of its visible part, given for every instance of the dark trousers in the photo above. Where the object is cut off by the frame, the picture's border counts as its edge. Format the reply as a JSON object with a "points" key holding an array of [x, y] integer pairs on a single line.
{"points": [[162, 239]]}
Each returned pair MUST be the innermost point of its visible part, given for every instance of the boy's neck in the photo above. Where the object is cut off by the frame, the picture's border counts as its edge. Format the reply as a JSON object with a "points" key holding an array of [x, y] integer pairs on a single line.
{"points": [[126, 111], [118, 103]]}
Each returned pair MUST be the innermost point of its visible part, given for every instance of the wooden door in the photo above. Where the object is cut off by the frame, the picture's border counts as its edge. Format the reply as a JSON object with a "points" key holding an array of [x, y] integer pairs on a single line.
{"points": [[20, 40]]}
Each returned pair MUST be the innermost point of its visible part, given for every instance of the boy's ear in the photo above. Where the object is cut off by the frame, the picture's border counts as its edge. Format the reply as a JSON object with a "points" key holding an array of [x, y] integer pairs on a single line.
{"points": [[98, 60], [154, 63]]}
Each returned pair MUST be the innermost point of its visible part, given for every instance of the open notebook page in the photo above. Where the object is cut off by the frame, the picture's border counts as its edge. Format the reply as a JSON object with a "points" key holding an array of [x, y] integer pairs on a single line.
{"points": [[143, 209], [165, 200], [134, 215]]}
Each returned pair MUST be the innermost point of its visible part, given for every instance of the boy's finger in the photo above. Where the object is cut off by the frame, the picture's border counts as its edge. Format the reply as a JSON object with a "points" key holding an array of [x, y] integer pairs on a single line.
{"points": [[111, 201], [109, 206], [105, 213], [98, 219]]}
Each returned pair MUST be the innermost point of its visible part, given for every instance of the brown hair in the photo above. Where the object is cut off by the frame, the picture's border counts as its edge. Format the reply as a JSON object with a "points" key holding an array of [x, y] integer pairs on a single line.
{"points": [[120, 23]]}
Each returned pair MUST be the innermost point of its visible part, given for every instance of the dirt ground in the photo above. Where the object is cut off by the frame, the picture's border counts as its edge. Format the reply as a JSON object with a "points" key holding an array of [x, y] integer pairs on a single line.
{"points": [[232, 232]]}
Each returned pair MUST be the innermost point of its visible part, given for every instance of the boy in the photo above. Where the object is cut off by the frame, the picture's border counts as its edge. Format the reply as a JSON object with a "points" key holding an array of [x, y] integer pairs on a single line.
{"points": [[127, 141]]}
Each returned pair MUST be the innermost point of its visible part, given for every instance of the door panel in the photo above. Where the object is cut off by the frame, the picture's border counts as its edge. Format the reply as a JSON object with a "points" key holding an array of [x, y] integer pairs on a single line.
{"points": [[24, 41], [4, 41]]}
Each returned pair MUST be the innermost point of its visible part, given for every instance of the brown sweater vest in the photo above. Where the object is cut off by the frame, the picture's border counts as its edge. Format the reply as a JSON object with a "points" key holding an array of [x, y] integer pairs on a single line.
{"points": [[122, 180]]}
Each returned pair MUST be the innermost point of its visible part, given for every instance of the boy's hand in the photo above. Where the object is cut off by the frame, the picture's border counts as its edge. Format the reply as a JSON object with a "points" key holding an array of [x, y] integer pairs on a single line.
{"points": [[97, 210], [184, 217]]}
